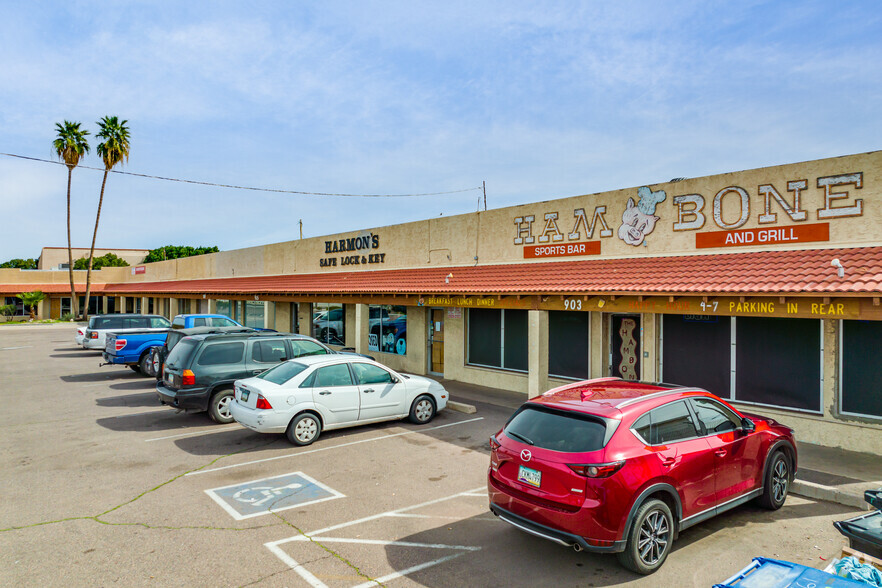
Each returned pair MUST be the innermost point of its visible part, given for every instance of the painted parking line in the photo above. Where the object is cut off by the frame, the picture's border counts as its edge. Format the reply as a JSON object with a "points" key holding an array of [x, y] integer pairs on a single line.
{"points": [[312, 580], [381, 438], [263, 496], [137, 414], [19, 347], [205, 432]]}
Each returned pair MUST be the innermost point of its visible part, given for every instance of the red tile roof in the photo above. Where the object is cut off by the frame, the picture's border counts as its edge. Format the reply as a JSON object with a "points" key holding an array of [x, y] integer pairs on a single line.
{"points": [[13, 289], [791, 272]]}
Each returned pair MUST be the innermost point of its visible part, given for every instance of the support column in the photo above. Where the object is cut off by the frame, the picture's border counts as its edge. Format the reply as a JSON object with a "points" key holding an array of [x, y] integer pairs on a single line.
{"points": [[212, 306], [121, 308], [172, 308], [648, 348], [362, 327], [145, 305], [282, 319], [537, 354], [269, 314], [304, 318], [599, 345]]}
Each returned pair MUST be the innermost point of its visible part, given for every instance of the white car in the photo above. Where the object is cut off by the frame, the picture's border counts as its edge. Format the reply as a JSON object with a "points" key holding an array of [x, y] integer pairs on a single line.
{"points": [[303, 397], [94, 337], [81, 334]]}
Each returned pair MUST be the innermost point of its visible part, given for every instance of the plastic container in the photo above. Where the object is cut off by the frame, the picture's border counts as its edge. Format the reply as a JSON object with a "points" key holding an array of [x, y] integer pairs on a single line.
{"points": [[864, 532], [772, 573], [874, 497]]}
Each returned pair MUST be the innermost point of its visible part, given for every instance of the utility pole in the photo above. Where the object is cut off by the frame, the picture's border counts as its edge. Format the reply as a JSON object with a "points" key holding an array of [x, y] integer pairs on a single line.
{"points": [[301, 229], [484, 184]]}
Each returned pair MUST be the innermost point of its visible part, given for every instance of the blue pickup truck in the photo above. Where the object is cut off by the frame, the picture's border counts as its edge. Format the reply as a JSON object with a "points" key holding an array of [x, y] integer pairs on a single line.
{"points": [[189, 321], [133, 349]]}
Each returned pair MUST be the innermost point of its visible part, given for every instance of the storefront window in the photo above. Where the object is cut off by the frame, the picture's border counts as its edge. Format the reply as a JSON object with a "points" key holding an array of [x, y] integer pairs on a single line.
{"points": [[387, 329], [329, 323], [254, 314], [697, 351], [861, 368], [498, 338], [224, 307], [568, 344]]}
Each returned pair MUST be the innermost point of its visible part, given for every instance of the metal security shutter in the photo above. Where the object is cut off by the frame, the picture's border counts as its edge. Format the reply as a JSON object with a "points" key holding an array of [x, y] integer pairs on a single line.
{"points": [[778, 362], [697, 352]]}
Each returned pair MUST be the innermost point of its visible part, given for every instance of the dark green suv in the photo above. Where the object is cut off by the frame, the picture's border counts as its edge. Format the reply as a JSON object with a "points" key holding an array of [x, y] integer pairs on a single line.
{"points": [[200, 370]]}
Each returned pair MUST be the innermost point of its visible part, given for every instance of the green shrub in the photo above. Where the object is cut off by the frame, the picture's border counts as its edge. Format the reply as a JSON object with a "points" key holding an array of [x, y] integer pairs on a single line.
{"points": [[7, 310], [68, 316]]}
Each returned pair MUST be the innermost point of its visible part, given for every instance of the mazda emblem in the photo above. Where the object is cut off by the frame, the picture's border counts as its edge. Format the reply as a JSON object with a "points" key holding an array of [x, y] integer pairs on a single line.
{"points": [[526, 455]]}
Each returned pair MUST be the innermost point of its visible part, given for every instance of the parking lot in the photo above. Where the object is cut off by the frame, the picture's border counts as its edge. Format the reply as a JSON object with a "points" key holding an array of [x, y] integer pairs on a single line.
{"points": [[103, 486]]}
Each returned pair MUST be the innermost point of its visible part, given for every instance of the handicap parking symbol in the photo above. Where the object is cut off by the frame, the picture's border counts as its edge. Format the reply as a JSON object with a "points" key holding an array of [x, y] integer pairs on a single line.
{"points": [[259, 497]]}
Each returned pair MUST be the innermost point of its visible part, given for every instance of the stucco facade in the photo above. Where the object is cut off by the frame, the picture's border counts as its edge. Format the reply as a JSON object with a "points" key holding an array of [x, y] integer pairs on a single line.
{"points": [[721, 255]]}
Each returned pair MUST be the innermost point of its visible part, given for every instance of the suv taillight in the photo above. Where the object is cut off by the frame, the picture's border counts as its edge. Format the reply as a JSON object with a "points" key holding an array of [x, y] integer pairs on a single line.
{"points": [[188, 378], [120, 343], [93, 335], [597, 470], [262, 403], [494, 443]]}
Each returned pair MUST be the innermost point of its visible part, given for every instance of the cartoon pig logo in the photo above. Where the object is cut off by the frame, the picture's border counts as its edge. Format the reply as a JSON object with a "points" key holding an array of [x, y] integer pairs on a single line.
{"points": [[639, 219]]}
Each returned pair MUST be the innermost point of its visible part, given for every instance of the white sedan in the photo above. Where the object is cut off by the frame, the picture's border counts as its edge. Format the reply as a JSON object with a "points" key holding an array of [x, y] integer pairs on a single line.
{"points": [[303, 397]]}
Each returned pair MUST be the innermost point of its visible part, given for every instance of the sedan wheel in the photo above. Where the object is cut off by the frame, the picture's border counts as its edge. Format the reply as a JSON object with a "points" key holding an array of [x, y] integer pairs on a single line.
{"points": [[304, 429], [422, 411]]}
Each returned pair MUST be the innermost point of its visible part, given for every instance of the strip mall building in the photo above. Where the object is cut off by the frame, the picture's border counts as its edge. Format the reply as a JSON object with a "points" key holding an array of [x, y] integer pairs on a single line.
{"points": [[762, 286]]}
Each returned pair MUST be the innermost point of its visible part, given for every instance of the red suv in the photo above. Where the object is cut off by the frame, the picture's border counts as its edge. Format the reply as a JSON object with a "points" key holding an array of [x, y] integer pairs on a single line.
{"points": [[622, 467]]}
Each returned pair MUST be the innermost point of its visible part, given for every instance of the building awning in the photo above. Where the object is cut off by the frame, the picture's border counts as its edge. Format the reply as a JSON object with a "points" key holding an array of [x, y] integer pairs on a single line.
{"points": [[13, 289], [807, 272]]}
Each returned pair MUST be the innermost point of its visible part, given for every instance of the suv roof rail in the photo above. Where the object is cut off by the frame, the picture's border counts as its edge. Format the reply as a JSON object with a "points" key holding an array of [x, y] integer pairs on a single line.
{"points": [[677, 390]]}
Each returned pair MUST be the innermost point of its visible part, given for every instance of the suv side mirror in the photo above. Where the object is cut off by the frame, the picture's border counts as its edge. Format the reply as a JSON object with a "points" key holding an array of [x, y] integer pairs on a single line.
{"points": [[281, 359], [747, 425]]}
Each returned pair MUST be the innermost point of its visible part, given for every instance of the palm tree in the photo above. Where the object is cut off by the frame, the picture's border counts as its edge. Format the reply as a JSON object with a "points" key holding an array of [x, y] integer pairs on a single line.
{"points": [[70, 144], [113, 149], [31, 299]]}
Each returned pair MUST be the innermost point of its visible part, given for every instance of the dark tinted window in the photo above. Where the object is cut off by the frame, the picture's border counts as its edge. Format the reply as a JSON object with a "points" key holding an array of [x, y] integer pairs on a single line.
{"points": [[178, 322], [158, 322], [172, 339], [862, 371], [199, 321], [642, 426], [556, 431], [108, 322], [301, 348], [568, 338], [268, 351], [333, 375], [180, 355], [137, 322], [282, 372], [670, 423], [366, 373], [715, 417], [484, 340], [220, 353]]}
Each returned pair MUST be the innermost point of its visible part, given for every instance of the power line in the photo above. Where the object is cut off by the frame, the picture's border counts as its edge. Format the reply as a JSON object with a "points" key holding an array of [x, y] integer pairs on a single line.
{"points": [[232, 186]]}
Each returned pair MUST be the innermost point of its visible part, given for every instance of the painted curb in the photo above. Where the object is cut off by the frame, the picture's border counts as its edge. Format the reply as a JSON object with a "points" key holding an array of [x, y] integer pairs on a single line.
{"points": [[460, 407], [828, 493]]}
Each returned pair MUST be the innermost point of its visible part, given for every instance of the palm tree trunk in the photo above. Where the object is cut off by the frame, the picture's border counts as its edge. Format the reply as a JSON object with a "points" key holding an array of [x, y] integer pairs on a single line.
{"points": [[73, 293], [92, 249]]}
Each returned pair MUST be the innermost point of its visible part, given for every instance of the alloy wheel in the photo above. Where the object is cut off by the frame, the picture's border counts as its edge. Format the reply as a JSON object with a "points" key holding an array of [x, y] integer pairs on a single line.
{"points": [[223, 407], [424, 410], [654, 537], [780, 480]]}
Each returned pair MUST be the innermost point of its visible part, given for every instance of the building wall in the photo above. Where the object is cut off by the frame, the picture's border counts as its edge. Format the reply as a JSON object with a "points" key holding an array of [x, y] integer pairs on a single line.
{"points": [[53, 257]]}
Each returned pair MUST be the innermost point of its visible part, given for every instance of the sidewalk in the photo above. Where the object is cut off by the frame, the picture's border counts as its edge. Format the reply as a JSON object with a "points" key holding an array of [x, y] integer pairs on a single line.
{"points": [[823, 473]]}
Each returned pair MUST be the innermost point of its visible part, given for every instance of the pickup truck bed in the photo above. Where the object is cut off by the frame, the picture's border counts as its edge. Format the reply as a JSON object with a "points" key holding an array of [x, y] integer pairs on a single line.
{"points": [[133, 349]]}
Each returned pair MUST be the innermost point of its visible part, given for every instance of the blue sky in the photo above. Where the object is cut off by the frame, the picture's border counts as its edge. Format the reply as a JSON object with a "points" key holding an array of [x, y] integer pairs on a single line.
{"points": [[540, 99]]}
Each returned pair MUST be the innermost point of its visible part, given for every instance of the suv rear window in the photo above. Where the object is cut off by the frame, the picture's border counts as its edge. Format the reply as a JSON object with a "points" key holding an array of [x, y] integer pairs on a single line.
{"points": [[179, 356], [220, 353], [106, 322], [557, 431]]}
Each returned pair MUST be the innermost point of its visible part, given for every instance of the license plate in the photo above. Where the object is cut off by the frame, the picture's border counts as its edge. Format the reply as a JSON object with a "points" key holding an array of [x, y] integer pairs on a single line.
{"points": [[529, 476], [243, 396]]}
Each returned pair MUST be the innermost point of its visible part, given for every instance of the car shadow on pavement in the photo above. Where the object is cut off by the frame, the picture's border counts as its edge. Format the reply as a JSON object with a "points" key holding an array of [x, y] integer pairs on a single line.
{"points": [[140, 384], [80, 353], [230, 440], [159, 420], [101, 376], [143, 399]]}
